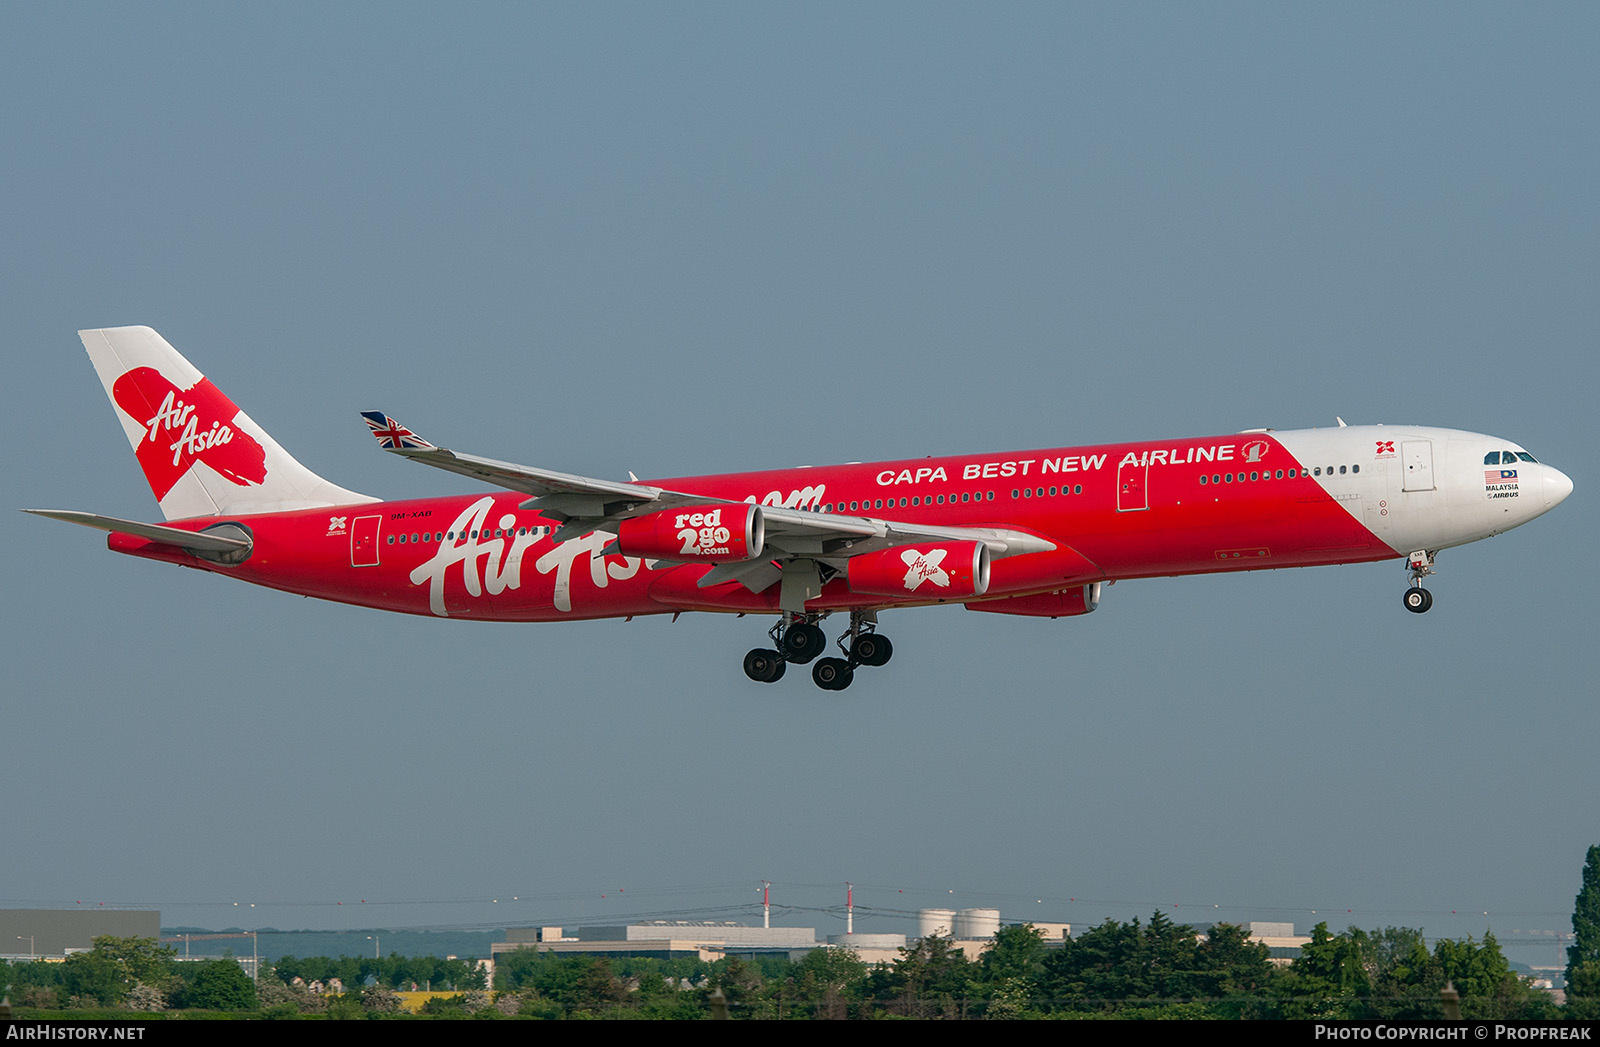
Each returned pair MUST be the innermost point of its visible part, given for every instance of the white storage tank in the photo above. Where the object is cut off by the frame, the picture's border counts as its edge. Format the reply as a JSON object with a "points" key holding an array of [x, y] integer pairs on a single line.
{"points": [[936, 921], [977, 923]]}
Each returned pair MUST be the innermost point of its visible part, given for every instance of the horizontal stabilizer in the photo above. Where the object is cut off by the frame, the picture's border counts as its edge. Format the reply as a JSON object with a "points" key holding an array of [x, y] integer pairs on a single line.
{"points": [[211, 543]]}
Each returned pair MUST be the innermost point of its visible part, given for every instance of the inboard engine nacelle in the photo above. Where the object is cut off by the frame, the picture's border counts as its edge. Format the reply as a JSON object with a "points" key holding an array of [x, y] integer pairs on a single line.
{"points": [[708, 533]]}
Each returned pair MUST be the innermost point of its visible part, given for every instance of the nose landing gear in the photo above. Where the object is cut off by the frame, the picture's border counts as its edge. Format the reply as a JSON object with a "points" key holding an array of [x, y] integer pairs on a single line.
{"points": [[1420, 564]]}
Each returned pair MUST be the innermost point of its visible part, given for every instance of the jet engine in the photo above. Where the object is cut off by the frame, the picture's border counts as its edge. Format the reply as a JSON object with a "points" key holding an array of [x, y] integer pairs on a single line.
{"points": [[705, 533], [938, 570]]}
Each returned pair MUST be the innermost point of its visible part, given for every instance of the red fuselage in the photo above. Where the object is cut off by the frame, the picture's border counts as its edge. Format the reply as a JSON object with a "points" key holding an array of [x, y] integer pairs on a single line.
{"points": [[1113, 511]]}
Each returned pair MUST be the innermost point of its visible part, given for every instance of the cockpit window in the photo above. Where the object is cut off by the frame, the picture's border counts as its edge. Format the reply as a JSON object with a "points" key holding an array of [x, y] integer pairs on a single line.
{"points": [[1526, 457], [1492, 458]]}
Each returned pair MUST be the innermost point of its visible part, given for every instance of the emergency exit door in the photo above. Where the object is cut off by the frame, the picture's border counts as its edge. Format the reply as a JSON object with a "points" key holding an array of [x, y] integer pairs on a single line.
{"points": [[1418, 458]]}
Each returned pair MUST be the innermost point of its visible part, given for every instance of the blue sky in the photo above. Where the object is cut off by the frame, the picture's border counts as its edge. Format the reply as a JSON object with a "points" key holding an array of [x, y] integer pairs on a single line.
{"points": [[705, 237]]}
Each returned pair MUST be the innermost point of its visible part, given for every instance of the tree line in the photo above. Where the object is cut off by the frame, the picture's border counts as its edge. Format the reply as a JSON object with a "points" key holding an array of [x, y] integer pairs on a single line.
{"points": [[1154, 969]]}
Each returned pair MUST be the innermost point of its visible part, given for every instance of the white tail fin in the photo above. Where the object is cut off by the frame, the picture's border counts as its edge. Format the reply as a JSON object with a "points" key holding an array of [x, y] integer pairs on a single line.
{"points": [[202, 455]]}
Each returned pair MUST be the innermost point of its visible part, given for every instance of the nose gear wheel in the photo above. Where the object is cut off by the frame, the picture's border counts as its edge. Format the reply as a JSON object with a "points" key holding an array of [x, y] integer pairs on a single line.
{"points": [[1420, 564]]}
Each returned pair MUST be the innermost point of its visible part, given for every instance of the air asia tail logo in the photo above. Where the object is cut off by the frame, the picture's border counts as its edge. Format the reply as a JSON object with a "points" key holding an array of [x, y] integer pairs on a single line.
{"points": [[185, 426], [924, 567]]}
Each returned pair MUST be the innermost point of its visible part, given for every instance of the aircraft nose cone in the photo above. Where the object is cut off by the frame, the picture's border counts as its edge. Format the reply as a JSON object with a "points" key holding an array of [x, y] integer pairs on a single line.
{"points": [[1557, 485]]}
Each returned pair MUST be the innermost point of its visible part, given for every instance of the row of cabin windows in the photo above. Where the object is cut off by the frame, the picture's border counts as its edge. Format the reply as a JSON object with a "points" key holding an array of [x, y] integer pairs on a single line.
{"points": [[866, 504], [1040, 492], [1269, 474], [440, 536], [1508, 458]]}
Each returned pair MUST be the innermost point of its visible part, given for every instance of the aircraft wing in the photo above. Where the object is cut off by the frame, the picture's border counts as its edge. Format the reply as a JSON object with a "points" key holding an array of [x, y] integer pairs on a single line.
{"points": [[584, 504]]}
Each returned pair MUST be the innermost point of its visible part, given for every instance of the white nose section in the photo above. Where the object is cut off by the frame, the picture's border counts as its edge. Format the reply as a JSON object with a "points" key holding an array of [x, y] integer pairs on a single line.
{"points": [[1557, 485]]}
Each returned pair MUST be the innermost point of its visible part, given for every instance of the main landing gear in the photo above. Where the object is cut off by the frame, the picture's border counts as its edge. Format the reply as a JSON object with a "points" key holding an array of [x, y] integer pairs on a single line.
{"points": [[799, 639], [1420, 564]]}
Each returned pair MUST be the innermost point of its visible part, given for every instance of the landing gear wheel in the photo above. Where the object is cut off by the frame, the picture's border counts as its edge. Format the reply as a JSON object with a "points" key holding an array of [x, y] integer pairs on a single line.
{"points": [[803, 641], [872, 649], [764, 666], [1418, 599], [832, 674]]}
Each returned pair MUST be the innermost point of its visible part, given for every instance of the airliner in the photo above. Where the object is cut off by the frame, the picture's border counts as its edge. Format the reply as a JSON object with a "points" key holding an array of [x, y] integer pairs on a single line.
{"points": [[1032, 533]]}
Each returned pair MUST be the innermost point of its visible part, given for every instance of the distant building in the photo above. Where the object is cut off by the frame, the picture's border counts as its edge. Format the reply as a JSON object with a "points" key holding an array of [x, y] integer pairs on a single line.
{"points": [[971, 931], [53, 933], [1283, 945], [1052, 932], [870, 948], [708, 940]]}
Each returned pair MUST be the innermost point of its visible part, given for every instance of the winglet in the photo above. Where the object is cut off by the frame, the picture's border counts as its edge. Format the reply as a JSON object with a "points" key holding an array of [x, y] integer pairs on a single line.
{"points": [[391, 435]]}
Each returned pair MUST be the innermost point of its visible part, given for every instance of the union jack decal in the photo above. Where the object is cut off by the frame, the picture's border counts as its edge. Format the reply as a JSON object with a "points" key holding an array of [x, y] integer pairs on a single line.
{"points": [[392, 436]]}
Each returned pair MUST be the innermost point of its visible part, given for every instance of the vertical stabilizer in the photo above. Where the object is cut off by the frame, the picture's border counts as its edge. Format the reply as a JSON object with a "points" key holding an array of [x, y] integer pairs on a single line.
{"points": [[201, 454]]}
